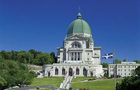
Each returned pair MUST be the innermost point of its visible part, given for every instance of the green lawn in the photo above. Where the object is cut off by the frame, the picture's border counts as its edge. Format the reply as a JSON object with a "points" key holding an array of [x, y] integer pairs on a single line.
{"points": [[78, 79], [54, 81], [94, 85], [40, 89]]}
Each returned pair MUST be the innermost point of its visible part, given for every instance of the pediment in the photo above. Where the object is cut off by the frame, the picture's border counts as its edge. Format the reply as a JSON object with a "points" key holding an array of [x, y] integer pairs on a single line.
{"points": [[75, 37]]}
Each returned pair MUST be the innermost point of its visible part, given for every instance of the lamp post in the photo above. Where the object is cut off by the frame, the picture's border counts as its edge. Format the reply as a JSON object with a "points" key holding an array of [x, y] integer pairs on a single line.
{"points": [[115, 69]]}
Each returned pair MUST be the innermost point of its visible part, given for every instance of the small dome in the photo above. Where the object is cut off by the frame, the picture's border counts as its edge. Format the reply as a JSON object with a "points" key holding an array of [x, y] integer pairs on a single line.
{"points": [[79, 26]]}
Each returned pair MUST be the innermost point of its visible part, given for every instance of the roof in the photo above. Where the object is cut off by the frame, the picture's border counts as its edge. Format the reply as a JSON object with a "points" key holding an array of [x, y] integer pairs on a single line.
{"points": [[79, 26], [90, 39]]}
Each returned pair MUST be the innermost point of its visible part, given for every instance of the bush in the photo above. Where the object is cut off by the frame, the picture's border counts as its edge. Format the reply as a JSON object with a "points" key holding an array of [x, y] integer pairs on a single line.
{"points": [[130, 83], [13, 73], [37, 87]]}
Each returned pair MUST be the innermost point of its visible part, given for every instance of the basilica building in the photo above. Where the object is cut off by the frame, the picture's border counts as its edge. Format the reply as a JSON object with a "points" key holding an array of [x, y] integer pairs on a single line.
{"points": [[78, 56]]}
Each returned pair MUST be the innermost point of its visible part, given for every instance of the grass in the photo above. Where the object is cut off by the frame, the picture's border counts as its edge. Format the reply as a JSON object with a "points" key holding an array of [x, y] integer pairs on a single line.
{"points": [[54, 81], [78, 79], [107, 84], [40, 89]]}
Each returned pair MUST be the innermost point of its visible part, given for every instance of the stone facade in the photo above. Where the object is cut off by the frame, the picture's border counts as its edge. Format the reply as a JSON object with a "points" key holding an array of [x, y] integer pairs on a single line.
{"points": [[124, 69], [78, 56]]}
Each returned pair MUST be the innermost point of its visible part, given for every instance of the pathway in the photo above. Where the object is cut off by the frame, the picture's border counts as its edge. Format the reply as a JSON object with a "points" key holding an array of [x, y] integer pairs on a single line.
{"points": [[34, 87], [66, 83]]}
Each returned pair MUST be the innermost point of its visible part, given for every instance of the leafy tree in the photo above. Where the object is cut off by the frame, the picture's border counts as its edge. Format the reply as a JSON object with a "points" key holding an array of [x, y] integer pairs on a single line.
{"points": [[105, 65], [137, 61], [106, 75], [116, 61], [3, 54], [32, 57], [13, 73], [2, 82], [137, 70], [14, 54], [54, 58], [33, 52], [124, 60], [130, 83], [1, 57]]}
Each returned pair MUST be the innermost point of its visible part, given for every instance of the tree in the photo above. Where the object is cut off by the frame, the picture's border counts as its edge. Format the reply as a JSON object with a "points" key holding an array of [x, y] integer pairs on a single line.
{"points": [[137, 61], [106, 75], [54, 58], [2, 83], [116, 61], [32, 57], [13, 73], [105, 65], [14, 55], [137, 71], [130, 83], [124, 60], [33, 52]]}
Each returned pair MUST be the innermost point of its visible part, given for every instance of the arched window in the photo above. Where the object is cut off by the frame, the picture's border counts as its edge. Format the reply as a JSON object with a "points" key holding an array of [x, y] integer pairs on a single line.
{"points": [[77, 71], [63, 71], [70, 71], [56, 71], [76, 45], [84, 71]]}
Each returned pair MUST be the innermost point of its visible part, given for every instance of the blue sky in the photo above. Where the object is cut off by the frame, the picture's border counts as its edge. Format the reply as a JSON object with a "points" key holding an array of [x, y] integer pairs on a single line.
{"points": [[42, 24]]}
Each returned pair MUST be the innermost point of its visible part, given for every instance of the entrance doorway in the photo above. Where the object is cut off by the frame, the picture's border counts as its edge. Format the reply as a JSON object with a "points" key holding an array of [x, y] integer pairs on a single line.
{"points": [[85, 72], [70, 72], [48, 74]]}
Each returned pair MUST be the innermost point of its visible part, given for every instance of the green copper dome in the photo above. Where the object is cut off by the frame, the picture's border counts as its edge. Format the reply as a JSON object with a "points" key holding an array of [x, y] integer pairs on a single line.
{"points": [[79, 26]]}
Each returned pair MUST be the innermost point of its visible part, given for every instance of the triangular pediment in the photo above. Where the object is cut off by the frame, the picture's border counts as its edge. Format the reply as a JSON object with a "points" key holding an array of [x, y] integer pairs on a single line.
{"points": [[75, 37]]}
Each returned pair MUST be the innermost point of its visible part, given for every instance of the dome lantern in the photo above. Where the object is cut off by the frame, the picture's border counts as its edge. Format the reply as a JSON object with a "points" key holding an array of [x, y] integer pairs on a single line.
{"points": [[79, 16], [79, 26]]}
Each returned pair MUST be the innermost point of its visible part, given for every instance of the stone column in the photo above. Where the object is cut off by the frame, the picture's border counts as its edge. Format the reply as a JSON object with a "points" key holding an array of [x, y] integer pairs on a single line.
{"points": [[80, 55], [73, 55], [77, 55], [70, 56]]}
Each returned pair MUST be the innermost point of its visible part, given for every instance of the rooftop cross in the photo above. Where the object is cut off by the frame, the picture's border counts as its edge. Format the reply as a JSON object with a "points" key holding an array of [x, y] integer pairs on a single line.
{"points": [[79, 9], [79, 16]]}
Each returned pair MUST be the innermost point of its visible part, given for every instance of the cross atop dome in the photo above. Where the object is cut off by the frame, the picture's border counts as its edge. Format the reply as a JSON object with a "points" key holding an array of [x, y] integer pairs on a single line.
{"points": [[79, 16], [79, 9]]}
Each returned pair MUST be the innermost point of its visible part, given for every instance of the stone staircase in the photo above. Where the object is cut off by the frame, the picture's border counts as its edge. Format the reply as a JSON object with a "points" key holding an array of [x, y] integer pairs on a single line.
{"points": [[66, 83]]}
